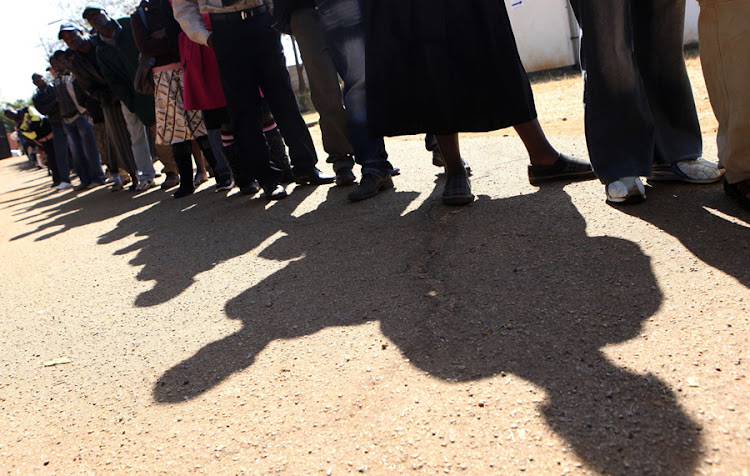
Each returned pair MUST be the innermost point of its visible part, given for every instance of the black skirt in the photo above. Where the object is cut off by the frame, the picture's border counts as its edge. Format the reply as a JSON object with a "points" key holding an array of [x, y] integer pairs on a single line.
{"points": [[443, 66]]}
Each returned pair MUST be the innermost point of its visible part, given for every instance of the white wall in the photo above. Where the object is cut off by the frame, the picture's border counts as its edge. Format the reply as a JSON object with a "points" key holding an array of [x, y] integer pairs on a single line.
{"points": [[543, 31]]}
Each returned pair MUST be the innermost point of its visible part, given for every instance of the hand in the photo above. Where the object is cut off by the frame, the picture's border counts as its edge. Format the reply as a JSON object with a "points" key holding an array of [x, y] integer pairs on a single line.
{"points": [[159, 34], [210, 40]]}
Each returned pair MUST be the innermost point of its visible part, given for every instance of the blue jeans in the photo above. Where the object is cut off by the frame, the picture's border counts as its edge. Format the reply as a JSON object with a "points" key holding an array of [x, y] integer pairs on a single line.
{"points": [[638, 100], [86, 155], [344, 27], [60, 142]]}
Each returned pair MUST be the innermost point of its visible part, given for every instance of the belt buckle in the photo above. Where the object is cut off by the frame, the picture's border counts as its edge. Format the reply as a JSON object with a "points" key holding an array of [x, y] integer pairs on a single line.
{"points": [[243, 14]]}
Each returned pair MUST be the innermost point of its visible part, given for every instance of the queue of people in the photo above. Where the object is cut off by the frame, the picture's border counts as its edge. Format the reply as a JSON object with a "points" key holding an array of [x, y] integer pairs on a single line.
{"points": [[221, 87]]}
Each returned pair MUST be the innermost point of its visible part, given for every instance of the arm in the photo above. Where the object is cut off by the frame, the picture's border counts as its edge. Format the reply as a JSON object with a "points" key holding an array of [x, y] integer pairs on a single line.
{"points": [[146, 43], [46, 102], [187, 13]]}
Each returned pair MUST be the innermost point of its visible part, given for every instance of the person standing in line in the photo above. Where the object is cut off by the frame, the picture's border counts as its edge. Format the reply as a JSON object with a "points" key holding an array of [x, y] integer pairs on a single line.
{"points": [[45, 101], [640, 114], [88, 76], [117, 57], [36, 129], [156, 34], [77, 126], [250, 56], [724, 28], [433, 67]]}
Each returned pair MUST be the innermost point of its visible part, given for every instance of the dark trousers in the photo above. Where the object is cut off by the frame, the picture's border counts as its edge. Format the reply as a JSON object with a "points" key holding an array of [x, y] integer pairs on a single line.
{"points": [[250, 55], [638, 100]]}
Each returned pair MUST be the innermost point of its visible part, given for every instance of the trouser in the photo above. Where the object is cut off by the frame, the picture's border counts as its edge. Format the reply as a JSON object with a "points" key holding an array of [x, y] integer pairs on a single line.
{"points": [[85, 152], [139, 144], [343, 23], [724, 28], [48, 147], [325, 91], [430, 142], [121, 151], [639, 107], [249, 55], [61, 173]]}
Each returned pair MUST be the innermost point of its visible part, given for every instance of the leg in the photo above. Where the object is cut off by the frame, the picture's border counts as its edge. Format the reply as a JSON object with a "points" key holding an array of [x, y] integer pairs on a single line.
{"points": [[76, 146], [119, 139], [457, 186], [139, 145], [90, 150], [182, 152], [62, 169]]}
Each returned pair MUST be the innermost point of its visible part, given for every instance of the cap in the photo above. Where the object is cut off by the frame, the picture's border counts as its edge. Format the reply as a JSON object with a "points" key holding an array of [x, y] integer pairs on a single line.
{"points": [[91, 7], [67, 26]]}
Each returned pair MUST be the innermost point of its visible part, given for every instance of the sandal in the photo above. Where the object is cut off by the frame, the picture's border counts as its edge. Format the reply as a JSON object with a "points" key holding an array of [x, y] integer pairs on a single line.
{"points": [[565, 168], [739, 191]]}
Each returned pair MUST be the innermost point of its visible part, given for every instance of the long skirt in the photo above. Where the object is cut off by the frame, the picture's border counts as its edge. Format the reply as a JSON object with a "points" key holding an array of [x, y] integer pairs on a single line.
{"points": [[173, 123], [443, 66]]}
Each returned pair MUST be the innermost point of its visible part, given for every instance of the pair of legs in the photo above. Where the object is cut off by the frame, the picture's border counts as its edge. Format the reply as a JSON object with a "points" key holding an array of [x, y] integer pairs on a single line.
{"points": [[83, 145], [724, 29]]}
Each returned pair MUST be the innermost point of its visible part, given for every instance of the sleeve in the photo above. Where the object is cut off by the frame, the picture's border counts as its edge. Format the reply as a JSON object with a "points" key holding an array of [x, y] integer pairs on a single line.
{"points": [[187, 13], [121, 88], [45, 102], [143, 40]]}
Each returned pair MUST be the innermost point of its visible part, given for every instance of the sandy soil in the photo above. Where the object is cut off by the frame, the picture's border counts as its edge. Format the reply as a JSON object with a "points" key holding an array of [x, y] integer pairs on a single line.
{"points": [[538, 330]]}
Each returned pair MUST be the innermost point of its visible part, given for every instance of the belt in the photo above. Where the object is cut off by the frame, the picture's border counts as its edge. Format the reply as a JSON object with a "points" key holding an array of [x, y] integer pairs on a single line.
{"points": [[241, 15]]}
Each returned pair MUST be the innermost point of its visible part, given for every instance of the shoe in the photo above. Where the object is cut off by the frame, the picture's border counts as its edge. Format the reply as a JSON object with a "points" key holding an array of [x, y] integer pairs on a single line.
{"points": [[565, 168], [345, 176], [396, 171], [199, 179], [458, 190], [117, 187], [313, 177], [437, 158], [181, 192], [82, 187], [690, 171], [738, 192], [626, 190], [126, 179], [144, 185], [221, 187], [369, 186], [251, 189], [54, 185], [172, 180], [64, 186], [274, 192]]}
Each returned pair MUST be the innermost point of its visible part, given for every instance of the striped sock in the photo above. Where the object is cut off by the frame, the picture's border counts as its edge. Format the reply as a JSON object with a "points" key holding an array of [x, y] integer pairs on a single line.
{"points": [[227, 138]]}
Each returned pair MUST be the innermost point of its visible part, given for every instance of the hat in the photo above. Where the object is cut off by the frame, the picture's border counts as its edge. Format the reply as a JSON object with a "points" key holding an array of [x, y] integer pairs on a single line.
{"points": [[67, 26], [92, 6]]}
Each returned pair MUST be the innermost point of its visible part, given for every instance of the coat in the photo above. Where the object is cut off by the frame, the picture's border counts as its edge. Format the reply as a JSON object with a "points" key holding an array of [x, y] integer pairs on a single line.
{"points": [[202, 89]]}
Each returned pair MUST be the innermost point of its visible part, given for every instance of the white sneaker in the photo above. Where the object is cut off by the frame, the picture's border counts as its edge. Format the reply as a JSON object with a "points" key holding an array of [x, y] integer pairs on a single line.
{"points": [[626, 190], [691, 171], [145, 185], [64, 185]]}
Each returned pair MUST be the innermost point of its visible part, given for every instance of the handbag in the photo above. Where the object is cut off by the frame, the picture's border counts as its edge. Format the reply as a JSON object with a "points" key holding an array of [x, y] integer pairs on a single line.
{"points": [[144, 74]]}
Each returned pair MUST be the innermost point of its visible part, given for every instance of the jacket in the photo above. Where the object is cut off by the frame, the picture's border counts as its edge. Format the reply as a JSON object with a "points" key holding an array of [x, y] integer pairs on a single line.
{"points": [[118, 64], [188, 14], [159, 16], [85, 68], [45, 101], [33, 126]]}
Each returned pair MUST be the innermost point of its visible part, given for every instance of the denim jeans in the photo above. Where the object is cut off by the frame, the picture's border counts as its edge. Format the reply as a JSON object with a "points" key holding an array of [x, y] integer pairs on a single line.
{"points": [[638, 99], [62, 164], [85, 152], [344, 27]]}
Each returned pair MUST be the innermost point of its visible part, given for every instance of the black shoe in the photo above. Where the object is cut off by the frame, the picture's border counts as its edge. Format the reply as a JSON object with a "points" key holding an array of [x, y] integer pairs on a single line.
{"points": [[225, 186], [274, 192], [250, 189], [566, 168], [181, 192], [458, 190], [369, 186], [345, 176], [396, 171], [313, 176]]}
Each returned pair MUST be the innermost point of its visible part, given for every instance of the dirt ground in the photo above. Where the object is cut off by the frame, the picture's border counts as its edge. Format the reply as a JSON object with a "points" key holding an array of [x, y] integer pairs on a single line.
{"points": [[538, 330]]}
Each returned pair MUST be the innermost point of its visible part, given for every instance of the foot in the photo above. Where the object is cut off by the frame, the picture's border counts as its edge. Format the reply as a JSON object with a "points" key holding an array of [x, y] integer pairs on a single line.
{"points": [[182, 192], [739, 191], [117, 187], [144, 185], [312, 176], [345, 176], [458, 190], [626, 190], [64, 186], [82, 187], [565, 168], [369, 186], [200, 178], [690, 171], [172, 180], [274, 192], [225, 186], [251, 189]]}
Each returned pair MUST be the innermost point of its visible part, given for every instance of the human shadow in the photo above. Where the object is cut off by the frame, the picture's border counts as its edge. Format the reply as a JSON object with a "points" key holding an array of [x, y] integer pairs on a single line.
{"points": [[689, 213], [512, 285]]}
